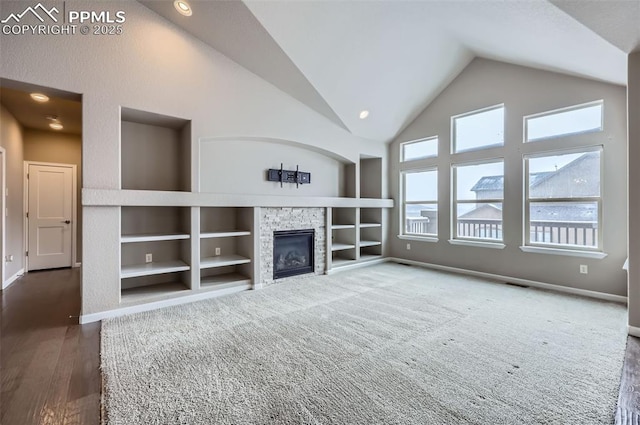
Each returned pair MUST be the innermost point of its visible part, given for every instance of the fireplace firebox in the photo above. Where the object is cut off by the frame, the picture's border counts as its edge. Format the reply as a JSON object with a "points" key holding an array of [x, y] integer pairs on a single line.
{"points": [[293, 252]]}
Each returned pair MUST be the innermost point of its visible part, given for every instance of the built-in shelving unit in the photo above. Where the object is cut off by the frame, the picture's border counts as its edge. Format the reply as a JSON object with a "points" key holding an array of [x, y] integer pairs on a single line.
{"points": [[226, 247], [356, 233], [371, 236], [343, 236], [155, 252], [177, 241]]}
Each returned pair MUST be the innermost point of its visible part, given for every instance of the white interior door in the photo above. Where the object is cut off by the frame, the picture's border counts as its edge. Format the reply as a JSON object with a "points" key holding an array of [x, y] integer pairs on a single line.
{"points": [[50, 211]]}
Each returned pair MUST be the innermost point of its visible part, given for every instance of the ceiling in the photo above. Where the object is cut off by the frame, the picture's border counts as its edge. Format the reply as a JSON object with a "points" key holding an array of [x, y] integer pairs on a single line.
{"points": [[31, 114], [393, 58]]}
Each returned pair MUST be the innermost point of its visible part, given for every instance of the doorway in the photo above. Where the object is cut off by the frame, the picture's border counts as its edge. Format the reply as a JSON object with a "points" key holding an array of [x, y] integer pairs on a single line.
{"points": [[50, 200], [44, 125]]}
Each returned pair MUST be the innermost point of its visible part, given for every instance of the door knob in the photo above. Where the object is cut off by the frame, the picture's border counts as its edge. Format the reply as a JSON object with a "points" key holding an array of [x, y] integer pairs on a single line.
{"points": [[67, 222]]}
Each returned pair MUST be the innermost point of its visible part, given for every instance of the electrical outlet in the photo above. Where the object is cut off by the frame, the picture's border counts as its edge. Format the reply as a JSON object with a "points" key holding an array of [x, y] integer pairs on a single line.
{"points": [[408, 247], [148, 258], [8, 258], [584, 269], [217, 251]]}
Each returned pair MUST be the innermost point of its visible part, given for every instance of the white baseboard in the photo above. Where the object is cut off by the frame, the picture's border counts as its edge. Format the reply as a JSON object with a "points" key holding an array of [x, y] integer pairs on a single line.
{"points": [[96, 317], [526, 282], [357, 265], [12, 279], [77, 265], [633, 331]]}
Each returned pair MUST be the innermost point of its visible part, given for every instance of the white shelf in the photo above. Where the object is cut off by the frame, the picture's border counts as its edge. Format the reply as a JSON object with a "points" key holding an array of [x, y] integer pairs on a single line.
{"points": [[369, 257], [230, 233], [370, 225], [222, 261], [149, 269], [341, 246], [153, 237], [153, 292], [340, 262], [369, 243], [114, 197], [224, 281], [343, 226]]}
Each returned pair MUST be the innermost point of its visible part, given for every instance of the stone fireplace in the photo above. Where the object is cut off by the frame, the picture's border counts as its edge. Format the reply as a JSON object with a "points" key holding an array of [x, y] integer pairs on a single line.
{"points": [[290, 221]]}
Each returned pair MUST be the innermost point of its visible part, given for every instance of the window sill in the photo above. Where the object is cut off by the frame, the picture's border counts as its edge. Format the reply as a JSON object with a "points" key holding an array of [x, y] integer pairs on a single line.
{"points": [[567, 252], [479, 244], [418, 238]]}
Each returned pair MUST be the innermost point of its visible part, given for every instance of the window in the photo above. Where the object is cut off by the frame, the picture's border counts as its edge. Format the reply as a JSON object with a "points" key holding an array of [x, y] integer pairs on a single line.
{"points": [[420, 202], [563, 204], [478, 129], [478, 195], [419, 149], [573, 120]]}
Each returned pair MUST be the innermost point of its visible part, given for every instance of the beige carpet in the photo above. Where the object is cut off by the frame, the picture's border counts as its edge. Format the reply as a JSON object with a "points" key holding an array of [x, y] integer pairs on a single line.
{"points": [[388, 344]]}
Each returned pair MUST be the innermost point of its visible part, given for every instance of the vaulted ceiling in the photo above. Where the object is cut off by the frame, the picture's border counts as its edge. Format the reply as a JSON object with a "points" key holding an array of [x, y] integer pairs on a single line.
{"points": [[393, 58]]}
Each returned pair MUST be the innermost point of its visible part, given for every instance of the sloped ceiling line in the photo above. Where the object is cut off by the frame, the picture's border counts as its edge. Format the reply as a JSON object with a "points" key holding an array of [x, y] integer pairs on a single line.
{"points": [[393, 58]]}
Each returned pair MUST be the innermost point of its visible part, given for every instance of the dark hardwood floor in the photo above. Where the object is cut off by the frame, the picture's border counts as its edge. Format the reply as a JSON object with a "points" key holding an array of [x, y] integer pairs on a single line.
{"points": [[628, 412], [49, 365]]}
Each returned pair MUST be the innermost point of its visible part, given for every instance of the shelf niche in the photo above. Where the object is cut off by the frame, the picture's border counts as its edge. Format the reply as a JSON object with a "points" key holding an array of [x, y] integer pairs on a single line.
{"points": [[348, 181], [230, 230], [155, 151], [370, 177]]}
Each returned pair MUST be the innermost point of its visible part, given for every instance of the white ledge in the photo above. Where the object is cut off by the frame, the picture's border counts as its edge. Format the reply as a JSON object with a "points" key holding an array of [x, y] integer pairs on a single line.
{"points": [[567, 252], [418, 238], [109, 197], [478, 244]]}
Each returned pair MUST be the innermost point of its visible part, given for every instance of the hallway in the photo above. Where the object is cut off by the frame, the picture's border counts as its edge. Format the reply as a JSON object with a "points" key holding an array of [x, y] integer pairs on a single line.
{"points": [[49, 365]]}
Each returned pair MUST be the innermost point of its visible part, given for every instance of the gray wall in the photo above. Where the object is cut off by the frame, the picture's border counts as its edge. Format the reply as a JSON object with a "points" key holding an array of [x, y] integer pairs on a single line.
{"points": [[11, 138], [633, 93], [524, 91], [240, 166], [62, 148]]}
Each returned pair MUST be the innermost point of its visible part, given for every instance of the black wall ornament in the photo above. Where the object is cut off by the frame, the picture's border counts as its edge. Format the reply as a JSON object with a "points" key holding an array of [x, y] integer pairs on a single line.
{"points": [[288, 176]]}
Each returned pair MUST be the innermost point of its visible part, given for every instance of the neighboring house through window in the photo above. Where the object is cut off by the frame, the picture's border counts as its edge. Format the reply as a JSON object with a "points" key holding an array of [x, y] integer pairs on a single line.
{"points": [[478, 197], [563, 202], [420, 202]]}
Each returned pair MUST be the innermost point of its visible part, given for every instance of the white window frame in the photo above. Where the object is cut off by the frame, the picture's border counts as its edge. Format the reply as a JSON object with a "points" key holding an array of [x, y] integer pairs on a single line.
{"points": [[411, 142], [525, 126], [559, 248], [404, 203], [455, 239], [475, 112]]}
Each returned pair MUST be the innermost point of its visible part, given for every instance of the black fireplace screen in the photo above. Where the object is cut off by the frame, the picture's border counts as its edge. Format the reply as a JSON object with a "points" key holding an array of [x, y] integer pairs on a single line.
{"points": [[292, 253]]}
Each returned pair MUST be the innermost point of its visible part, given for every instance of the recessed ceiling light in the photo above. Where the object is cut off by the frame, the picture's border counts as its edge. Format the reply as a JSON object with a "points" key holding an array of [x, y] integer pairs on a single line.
{"points": [[56, 126], [364, 114], [182, 7], [39, 97]]}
